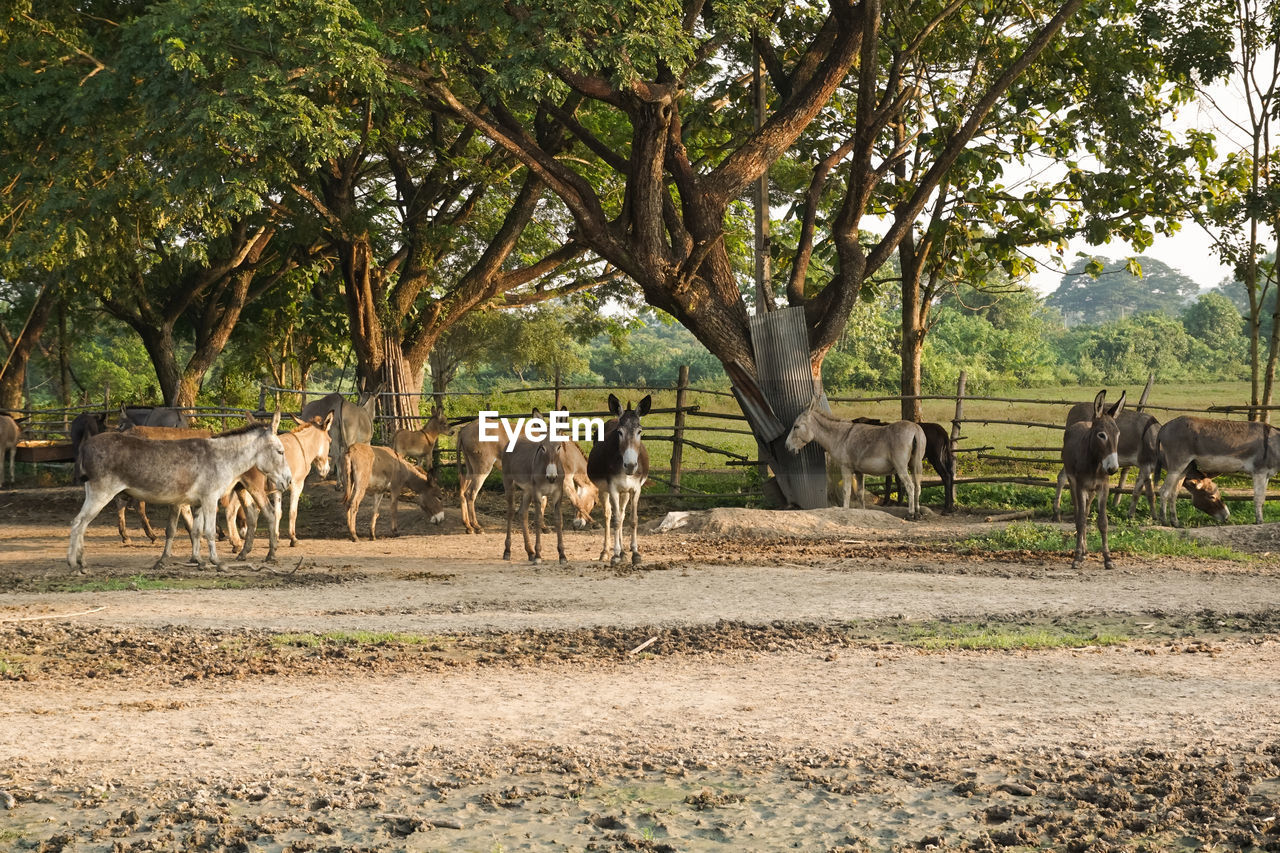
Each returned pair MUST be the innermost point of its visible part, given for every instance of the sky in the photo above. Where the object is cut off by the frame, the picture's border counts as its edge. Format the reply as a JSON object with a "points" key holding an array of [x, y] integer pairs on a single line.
{"points": [[1189, 251]]}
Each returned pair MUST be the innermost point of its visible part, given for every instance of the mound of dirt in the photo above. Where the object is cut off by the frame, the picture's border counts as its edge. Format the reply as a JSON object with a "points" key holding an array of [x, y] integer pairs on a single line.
{"points": [[818, 523]]}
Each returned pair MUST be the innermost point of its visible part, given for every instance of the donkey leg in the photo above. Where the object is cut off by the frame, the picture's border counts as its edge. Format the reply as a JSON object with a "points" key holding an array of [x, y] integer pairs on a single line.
{"points": [[1102, 526], [1057, 495], [1260, 480], [357, 495], [295, 495], [535, 553], [619, 519], [846, 484], [206, 519], [373, 521], [608, 516], [635, 525], [146, 522], [122, 503], [511, 511], [94, 501], [1169, 493], [1080, 498], [560, 528]]}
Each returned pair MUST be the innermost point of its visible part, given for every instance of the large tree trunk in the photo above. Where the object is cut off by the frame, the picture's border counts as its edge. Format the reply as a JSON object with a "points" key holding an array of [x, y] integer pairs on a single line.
{"points": [[13, 376]]}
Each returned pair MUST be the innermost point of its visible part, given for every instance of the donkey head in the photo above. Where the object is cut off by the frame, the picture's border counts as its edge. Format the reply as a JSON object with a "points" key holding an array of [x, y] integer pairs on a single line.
{"points": [[1104, 437], [802, 430], [431, 499], [437, 424], [1205, 495], [629, 430]]}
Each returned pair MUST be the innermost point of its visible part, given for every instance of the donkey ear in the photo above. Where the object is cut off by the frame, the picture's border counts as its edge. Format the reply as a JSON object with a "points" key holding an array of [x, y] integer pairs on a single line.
{"points": [[1118, 407], [327, 422], [645, 405], [615, 406], [1098, 402], [275, 421]]}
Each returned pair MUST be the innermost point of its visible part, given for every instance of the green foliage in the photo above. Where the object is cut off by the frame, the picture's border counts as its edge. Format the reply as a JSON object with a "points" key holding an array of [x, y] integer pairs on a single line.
{"points": [[1125, 538]]}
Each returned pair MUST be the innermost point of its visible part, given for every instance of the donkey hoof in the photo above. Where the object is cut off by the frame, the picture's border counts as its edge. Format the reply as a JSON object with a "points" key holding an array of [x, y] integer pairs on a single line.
{"points": [[615, 559], [1108, 563], [1077, 563], [564, 561], [506, 555], [635, 558], [535, 561]]}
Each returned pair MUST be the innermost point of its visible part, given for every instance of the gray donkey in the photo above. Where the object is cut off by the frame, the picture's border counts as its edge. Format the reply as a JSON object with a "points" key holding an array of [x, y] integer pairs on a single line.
{"points": [[1090, 455]]}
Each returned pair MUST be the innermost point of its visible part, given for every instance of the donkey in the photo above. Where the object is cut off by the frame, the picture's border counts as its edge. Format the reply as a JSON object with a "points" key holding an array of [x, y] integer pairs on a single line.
{"points": [[1138, 434], [420, 443], [352, 424], [938, 453], [1090, 455], [861, 449], [619, 467], [84, 425], [581, 492], [1217, 447], [152, 433], [8, 444], [476, 459], [537, 470], [193, 471], [152, 416], [305, 446], [383, 470]]}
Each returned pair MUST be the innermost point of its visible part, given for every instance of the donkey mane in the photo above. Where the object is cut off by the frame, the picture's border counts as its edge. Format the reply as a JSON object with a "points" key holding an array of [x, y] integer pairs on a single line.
{"points": [[241, 430]]}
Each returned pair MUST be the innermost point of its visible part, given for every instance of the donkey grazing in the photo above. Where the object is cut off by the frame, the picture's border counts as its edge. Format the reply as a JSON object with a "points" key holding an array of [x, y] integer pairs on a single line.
{"points": [[352, 424], [420, 443], [861, 448], [1138, 440], [581, 492], [1090, 455], [8, 444], [383, 470], [1217, 447], [192, 471], [537, 470], [619, 466]]}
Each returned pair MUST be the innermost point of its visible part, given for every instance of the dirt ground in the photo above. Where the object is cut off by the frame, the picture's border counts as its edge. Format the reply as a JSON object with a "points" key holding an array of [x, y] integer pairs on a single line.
{"points": [[419, 693]]}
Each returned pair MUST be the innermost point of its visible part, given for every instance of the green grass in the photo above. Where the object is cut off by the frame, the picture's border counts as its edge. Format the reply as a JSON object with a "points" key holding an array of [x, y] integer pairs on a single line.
{"points": [[1125, 538], [354, 638], [988, 636]]}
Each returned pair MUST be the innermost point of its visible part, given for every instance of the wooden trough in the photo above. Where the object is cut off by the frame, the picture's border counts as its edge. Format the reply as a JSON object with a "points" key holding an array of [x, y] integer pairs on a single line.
{"points": [[44, 451]]}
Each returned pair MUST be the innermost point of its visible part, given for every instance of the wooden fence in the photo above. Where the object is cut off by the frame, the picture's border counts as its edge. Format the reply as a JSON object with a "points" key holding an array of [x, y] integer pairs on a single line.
{"points": [[689, 425]]}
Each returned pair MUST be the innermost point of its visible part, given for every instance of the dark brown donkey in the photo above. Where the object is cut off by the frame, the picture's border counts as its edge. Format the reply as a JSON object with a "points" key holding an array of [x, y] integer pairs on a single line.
{"points": [[619, 466], [1090, 455]]}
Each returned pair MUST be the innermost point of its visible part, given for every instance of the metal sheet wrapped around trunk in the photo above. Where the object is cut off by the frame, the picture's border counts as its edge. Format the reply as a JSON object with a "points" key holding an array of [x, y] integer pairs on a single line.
{"points": [[781, 343]]}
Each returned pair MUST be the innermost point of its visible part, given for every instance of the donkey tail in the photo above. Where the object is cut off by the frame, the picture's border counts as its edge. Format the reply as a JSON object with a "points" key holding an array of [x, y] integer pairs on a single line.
{"points": [[349, 476]]}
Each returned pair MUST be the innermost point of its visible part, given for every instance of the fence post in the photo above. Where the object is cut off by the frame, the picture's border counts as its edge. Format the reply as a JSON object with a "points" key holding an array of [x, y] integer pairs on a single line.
{"points": [[959, 418], [262, 397], [1124, 472], [677, 438]]}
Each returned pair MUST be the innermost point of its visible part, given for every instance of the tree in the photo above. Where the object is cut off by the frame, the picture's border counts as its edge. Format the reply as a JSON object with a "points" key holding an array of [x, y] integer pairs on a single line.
{"points": [[1098, 290], [659, 110]]}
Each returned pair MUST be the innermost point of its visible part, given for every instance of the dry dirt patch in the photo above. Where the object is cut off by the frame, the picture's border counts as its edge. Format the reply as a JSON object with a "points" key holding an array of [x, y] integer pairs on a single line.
{"points": [[779, 707]]}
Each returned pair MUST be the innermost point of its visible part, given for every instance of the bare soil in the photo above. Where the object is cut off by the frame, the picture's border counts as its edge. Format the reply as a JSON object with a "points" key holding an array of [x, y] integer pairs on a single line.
{"points": [[419, 693]]}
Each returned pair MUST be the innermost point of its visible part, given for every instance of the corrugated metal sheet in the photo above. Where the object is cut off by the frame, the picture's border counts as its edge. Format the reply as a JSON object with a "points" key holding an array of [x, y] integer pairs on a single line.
{"points": [[781, 343]]}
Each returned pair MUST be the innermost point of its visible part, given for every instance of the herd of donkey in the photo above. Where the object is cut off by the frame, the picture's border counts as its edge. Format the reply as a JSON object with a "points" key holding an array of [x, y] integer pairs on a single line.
{"points": [[154, 457]]}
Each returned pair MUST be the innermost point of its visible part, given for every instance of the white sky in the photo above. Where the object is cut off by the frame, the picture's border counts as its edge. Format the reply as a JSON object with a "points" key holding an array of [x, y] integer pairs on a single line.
{"points": [[1190, 250]]}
